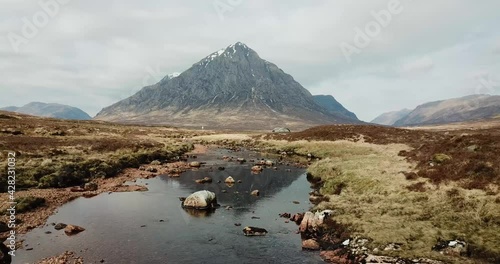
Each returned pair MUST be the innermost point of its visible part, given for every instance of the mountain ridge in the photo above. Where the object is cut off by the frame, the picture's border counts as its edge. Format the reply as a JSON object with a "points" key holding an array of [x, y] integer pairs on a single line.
{"points": [[332, 105], [53, 110], [462, 109], [467, 108], [230, 88], [389, 118]]}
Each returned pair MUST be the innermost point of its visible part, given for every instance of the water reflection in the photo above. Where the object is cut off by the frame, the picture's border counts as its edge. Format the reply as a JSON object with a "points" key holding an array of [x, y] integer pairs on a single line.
{"points": [[268, 182], [199, 213], [152, 227]]}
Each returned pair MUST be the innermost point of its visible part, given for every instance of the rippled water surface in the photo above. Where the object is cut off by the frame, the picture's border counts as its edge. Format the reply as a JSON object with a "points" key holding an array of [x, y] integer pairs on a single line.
{"points": [[126, 227]]}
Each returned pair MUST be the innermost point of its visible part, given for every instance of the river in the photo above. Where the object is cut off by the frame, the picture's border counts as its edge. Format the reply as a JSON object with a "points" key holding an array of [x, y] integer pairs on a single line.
{"points": [[151, 227]]}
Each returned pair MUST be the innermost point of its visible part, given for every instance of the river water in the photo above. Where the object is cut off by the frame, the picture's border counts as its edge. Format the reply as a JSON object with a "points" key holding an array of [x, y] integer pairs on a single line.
{"points": [[151, 227]]}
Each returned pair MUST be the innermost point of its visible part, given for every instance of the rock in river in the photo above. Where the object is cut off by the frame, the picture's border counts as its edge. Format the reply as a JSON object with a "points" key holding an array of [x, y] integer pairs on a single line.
{"points": [[195, 164], [255, 193], [204, 180], [200, 200], [285, 215], [297, 218], [229, 180], [254, 231], [59, 226], [257, 168], [310, 244], [73, 230]]}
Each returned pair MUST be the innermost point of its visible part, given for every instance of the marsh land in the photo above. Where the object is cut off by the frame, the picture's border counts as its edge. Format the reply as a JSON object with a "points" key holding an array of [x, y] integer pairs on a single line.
{"points": [[406, 195]]}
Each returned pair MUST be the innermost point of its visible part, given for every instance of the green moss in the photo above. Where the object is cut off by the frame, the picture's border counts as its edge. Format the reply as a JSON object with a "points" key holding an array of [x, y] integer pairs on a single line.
{"points": [[28, 203], [48, 181], [72, 170], [440, 158]]}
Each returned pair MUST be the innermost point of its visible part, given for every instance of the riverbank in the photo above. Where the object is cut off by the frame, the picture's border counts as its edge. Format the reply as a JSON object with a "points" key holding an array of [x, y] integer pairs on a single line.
{"points": [[405, 194]]}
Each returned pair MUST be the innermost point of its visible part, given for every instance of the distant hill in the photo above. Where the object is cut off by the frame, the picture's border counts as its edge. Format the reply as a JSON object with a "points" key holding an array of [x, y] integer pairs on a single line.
{"points": [[333, 106], [468, 108], [390, 118], [232, 88], [50, 110], [10, 108]]}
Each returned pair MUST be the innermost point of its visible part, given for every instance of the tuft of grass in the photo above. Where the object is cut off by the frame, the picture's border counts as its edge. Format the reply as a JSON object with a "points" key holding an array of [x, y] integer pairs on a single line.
{"points": [[28, 203], [440, 158], [417, 187]]}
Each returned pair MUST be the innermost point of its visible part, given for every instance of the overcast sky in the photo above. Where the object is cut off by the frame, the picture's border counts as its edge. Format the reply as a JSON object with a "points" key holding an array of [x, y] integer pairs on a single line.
{"points": [[92, 53]]}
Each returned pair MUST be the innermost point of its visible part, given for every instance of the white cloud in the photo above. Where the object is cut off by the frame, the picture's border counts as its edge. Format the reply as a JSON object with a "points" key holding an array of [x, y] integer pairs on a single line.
{"points": [[94, 53], [420, 65]]}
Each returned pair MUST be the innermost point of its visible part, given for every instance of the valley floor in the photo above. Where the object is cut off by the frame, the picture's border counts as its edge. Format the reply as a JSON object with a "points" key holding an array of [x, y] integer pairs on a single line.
{"points": [[403, 191]]}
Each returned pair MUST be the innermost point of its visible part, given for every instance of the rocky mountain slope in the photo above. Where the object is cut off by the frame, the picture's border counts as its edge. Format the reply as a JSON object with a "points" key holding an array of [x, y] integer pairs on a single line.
{"points": [[50, 110], [232, 88], [390, 118], [468, 108], [333, 106]]}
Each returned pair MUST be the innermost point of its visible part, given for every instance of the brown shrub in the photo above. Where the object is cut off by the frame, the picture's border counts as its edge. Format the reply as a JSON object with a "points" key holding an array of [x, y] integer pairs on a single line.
{"points": [[417, 187], [410, 175], [471, 157]]}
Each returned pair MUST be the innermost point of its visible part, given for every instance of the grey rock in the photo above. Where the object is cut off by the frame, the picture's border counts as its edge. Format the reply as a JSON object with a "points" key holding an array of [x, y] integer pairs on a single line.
{"points": [[59, 226]]}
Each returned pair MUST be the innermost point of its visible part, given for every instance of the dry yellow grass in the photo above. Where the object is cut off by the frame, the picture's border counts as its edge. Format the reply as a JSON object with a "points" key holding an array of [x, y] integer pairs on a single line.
{"points": [[60, 153], [375, 201]]}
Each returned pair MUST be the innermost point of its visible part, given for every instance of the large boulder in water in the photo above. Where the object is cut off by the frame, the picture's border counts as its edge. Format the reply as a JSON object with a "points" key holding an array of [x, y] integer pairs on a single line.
{"points": [[200, 200]]}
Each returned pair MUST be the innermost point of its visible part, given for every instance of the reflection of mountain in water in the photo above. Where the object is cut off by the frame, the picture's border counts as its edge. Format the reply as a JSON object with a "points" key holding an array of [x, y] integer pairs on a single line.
{"points": [[268, 182]]}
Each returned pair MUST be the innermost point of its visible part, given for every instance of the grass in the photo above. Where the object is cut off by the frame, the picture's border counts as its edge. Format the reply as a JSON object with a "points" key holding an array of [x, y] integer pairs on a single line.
{"points": [[376, 192], [28, 203], [81, 150]]}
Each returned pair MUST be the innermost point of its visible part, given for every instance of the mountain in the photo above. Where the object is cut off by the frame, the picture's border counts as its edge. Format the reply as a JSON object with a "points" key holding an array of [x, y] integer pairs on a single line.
{"points": [[390, 118], [232, 88], [468, 108], [333, 106], [10, 108], [50, 110]]}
